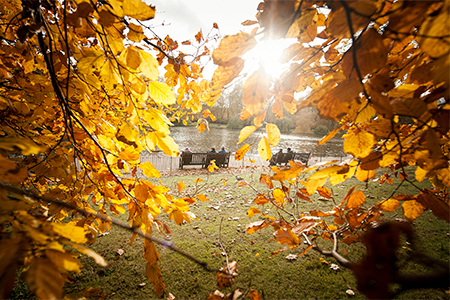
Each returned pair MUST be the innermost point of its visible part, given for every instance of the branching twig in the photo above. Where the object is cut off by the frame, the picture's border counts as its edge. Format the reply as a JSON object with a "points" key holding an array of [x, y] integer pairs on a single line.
{"points": [[105, 218]]}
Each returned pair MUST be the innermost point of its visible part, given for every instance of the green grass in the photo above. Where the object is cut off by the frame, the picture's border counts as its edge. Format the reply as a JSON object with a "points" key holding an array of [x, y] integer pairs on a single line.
{"points": [[220, 228]]}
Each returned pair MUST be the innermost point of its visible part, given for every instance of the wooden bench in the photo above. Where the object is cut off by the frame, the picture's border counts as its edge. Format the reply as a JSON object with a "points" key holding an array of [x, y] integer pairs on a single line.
{"points": [[284, 158], [204, 159]]}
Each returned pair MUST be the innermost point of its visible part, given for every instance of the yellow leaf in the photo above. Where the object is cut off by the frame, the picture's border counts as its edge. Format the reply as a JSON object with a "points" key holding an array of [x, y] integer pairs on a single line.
{"points": [[63, 260], [166, 144], [252, 211], [359, 143], [131, 57], [72, 232], [273, 134], [109, 76], [212, 166], [264, 149], [246, 132], [314, 184], [279, 196], [364, 175], [149, 170], [239, 155], [149, 65], [180, 186], [420, 174], [161, 93], [138, 9], [44, 279], [412, 209], [390, 205], [356, 199], [136, 33]]}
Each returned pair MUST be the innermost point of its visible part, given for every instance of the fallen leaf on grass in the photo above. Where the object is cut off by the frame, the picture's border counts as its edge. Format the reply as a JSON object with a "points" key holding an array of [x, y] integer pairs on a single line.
{"points": [[142, 284], [170, 296], [120, 252]]}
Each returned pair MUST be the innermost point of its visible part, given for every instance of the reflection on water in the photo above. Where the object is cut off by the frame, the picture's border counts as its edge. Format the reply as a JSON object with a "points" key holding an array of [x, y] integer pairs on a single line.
{"points": [[218, 137]]}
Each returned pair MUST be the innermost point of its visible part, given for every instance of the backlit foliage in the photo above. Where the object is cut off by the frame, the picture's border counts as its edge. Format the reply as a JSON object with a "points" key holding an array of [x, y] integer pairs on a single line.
{"points": [[381, 69], [81, 98]]}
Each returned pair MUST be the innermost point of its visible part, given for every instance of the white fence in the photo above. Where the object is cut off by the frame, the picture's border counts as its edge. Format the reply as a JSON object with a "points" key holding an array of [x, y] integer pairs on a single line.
{"points": [[163, 162]]}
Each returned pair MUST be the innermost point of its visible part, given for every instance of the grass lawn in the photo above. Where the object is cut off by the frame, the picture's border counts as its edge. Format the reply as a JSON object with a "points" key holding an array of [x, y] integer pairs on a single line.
{"points": [[219, 233]]}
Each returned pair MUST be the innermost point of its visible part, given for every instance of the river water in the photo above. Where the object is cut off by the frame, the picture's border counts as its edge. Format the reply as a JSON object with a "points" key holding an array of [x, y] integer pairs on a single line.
{"points": [[218, 137]]}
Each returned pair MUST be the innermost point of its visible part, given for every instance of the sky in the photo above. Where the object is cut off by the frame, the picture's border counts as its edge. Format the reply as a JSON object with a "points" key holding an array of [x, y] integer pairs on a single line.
{"points": [[184, 18]]}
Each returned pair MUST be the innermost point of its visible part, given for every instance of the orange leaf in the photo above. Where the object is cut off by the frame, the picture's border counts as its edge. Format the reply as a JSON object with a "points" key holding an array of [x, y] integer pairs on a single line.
{"points": [[255, 226], [324, 192], [264, 179], [253, 211], [232, 46], [279, 195], [202, 198], [259, 118], [180, 186], [253, 295], [356, 199], [287, 237], [239, 155], [256, 92], [359, 143], [261, 199], [201, 127], [412, 209], [390, 205], [364, 175]]}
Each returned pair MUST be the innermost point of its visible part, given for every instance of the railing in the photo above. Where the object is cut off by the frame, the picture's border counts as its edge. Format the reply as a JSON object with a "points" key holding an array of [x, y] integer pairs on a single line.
{"points": [[163, 162]]}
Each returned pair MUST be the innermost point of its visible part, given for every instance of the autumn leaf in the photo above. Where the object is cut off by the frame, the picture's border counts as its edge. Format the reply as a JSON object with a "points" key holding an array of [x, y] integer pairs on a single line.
{"points": [[355, 199], [232, 46], [390, 205], [180, 186], [239, 155], [201, 197], [252, 211], [359, 143], [152, 270], [264, 149], [246, 132], [255, 92], [138, 9], [412, 209], [273, 134], [161, 93], [279, 196], [212, 166]]}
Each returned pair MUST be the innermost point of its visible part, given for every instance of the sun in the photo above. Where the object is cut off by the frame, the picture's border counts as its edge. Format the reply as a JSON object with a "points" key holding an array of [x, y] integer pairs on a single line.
{"points": [[268, 54]]}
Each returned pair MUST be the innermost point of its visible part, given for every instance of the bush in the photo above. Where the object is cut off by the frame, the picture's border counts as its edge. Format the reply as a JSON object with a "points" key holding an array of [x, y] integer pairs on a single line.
{"points": [[320, 130]]}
